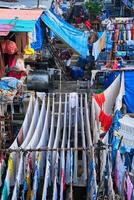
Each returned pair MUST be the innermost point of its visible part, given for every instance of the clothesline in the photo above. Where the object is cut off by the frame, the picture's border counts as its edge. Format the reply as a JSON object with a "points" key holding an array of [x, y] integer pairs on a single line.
{"points": [[113, 60], [101, 147], [119, 30]]}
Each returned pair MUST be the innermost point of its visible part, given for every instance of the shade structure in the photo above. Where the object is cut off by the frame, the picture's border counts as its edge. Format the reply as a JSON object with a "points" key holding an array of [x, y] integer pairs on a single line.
{"points": [[5, 29], [75, 38], [21, 20]]}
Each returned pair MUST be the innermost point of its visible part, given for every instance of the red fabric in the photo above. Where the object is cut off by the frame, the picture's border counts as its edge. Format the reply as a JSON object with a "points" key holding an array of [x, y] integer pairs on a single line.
{"points": [[17, 75], [9, 47], [87, 24], [115, 65], [106, 120], [100, 99], [63, 179], [11, 61]]}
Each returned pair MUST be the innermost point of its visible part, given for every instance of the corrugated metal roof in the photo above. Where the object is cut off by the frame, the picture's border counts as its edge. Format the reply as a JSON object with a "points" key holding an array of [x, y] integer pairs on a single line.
{"points": [[5, 29], [27, 4], [20, 14]]}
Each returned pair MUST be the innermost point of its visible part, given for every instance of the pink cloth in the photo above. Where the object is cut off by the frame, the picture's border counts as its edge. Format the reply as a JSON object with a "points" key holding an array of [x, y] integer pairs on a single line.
{"points": [[5, 29], [129, 188]]}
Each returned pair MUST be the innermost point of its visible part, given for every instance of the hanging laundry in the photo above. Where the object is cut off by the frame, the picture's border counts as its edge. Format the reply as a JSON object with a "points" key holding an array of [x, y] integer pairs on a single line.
{"points": [[47, 175], [92, 184], [2, 166], [100, 99], [8, 180], [71, 174], [132, 32], [128, 187], [36, 176], [108, 182], [19, 182], [37, 44], [128, 29], [28, 50], [119, 173], [99, 45], [29, 176], [62, 155], [106, 121], [55, 188], [68, 166]]}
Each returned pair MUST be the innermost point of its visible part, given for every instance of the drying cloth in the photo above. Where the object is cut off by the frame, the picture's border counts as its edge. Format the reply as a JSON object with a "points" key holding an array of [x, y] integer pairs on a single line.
{"points": [[129, 91], [129, 187], [36, 44], [106, 120], [99, 45], [100, 99]]}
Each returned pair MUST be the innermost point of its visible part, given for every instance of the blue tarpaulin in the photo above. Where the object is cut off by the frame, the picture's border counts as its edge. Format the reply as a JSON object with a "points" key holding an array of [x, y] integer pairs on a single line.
{"points": [[129, 91], [19, 25], [76, 39]]}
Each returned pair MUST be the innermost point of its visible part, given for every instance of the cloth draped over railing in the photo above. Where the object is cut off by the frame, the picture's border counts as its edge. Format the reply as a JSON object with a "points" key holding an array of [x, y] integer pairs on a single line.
{"points": [[44, 128], [102, 108]]}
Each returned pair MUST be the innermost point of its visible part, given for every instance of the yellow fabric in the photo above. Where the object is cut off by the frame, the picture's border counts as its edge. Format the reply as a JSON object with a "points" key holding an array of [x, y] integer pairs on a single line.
{"points": [[10, 166], [29, 192], [29, 51]]}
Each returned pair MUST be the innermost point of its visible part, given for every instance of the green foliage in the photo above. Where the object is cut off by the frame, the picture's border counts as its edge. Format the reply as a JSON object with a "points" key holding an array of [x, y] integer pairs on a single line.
{"points": [[93, 7]]}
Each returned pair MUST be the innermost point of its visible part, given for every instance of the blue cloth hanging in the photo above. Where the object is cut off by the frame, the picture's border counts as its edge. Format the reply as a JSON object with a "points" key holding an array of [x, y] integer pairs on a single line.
{"points": [[39, 36]]}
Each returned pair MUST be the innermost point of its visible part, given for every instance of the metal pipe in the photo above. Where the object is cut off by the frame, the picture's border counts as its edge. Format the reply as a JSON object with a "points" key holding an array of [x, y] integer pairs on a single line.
{"points": [[55, 149]]}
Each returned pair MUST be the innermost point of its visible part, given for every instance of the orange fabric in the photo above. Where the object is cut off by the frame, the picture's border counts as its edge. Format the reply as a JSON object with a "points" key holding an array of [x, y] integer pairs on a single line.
{"points": [[100, 99], [132, 32], [106, 120]]}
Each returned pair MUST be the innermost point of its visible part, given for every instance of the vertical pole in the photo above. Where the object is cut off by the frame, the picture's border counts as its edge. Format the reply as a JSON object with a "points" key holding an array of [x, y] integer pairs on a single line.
{"points": [[60, 80], [38, 3]]}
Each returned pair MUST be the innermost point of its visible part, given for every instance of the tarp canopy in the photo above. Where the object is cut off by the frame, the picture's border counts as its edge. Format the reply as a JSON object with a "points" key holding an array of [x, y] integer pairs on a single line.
{"points": [[19, 25], [21, 20], [76, 39]]}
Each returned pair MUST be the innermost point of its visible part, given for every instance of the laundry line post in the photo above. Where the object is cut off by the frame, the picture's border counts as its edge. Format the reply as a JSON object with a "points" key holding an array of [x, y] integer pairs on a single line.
{"points": [[38, 3]]}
